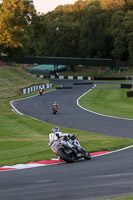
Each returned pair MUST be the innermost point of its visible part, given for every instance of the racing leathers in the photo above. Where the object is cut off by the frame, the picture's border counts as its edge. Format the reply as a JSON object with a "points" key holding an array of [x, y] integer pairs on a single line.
{"points": [[55, 136]]}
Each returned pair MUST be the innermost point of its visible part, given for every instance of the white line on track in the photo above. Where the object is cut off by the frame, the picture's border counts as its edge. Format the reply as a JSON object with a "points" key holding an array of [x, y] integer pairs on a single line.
{"points": [[125, 148]]}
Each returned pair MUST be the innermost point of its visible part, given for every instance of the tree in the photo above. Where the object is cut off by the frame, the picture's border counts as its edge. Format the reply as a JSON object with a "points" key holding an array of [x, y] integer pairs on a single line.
{"points": [[119, 34], [128, 27], [113, 5], [35, 46], [93, 31], [15, 17], [62, 36]]}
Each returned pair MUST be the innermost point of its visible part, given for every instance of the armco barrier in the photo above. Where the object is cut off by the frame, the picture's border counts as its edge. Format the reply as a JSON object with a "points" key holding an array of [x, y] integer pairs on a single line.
{"points": [[109, 78], [64, 87], [67, 77], [36, 87], [82, 77], [83, 83]]}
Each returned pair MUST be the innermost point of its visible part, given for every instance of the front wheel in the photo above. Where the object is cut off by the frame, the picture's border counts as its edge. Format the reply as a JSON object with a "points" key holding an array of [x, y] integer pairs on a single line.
{"points": [[87, 156], [64, 156]]}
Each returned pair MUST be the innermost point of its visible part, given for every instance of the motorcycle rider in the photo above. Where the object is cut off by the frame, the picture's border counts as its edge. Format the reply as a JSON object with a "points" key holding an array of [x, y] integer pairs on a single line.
{"points": [[55, 104], [41, 91], [56, 134], [72, 142]]}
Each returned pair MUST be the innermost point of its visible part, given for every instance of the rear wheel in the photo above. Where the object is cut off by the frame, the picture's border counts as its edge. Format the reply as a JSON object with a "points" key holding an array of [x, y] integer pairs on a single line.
{"points": [[54, 112], [64, 156]]}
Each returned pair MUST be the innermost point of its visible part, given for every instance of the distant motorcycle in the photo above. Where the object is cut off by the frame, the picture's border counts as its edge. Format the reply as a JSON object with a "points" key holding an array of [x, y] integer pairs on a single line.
{"points": [[41, 91], [55, 109], [69, 149]]}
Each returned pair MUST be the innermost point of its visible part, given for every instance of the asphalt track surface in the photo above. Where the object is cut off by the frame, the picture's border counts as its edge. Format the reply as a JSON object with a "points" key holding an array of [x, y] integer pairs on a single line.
{"points": [[102, 177]]}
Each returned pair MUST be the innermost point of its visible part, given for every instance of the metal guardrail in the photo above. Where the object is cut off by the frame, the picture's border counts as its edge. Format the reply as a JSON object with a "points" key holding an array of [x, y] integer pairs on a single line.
{"points": [[36, 87]]}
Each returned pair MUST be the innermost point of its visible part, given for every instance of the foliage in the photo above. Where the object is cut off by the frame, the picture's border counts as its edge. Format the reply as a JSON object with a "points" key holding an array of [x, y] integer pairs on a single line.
{"points": [[88, 28], [93, 32], [16, 15], [120, 43], [37, 31], [109, 101]]}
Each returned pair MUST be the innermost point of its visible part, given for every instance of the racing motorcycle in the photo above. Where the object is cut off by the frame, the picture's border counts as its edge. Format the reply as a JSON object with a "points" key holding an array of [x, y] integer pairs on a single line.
{"points": [[55, 109], [69, 149], [40, 91]]}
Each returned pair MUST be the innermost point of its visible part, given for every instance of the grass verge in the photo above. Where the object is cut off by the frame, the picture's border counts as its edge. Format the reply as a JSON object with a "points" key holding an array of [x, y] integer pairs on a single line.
{"points": [[109, 101], [121, 198], [23, 139]]}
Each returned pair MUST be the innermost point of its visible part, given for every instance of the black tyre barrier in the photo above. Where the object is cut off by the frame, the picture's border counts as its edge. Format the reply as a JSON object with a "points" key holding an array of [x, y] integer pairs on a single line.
{"points": [[64, 87], [109, 78], [130, 94], [126, 85], [84, 83]]}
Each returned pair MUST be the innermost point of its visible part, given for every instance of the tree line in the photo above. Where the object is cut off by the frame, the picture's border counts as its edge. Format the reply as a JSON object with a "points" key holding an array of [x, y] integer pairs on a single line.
{"points": [[87, 29]]}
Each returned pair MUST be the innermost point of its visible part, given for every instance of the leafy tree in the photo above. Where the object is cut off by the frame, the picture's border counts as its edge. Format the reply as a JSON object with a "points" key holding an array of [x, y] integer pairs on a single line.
{"points": [[61, 38], [128, 24], [16, 15], [120, 50], [112, 4], [93, 31], [35, 45]]}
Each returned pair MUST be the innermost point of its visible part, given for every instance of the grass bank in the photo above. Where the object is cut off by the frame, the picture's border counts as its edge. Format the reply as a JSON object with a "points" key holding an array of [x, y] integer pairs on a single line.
{"points": [[109, 101], [96, 71], [23, 139], [121, 198]]}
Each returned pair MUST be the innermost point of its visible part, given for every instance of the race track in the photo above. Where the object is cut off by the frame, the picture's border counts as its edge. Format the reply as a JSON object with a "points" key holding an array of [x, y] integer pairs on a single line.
{"points": [[102, 177]]}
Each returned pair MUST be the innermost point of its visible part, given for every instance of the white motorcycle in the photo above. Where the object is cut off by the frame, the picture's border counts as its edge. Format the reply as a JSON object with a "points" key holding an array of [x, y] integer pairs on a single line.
{"points": [[69, 149]]}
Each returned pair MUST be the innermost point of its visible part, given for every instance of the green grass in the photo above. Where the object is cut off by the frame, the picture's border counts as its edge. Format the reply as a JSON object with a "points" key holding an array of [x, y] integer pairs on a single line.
{"points": [[121, 198], [12, 79], [109, 101], [23, 139], [95, 71]]}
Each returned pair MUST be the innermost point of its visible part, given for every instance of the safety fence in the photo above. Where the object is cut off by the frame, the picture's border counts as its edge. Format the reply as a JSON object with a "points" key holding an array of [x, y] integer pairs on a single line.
{"points": [[81, 77], [36, 87], [66, 77]]}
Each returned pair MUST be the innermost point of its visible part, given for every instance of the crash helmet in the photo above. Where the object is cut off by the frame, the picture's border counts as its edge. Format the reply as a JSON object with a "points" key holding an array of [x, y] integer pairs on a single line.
{"points": [[55, 129]]}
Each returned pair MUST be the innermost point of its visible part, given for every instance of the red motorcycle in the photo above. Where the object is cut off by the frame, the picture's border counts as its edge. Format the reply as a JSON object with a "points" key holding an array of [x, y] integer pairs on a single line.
{"points": [[41, 91], [55, 109]]}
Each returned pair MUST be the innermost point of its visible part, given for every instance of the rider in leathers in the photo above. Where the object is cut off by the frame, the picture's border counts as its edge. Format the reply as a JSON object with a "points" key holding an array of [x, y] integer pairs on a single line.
{"points": [[55, 135]]}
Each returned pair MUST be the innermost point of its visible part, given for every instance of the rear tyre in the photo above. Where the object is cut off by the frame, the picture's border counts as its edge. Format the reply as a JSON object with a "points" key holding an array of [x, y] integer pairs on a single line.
{"points": [[68, 158], [54, 112]]}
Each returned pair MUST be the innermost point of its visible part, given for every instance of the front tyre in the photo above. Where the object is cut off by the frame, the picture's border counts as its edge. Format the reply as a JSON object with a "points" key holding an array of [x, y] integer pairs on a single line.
{"points": [[64, 156], [87, 156]]}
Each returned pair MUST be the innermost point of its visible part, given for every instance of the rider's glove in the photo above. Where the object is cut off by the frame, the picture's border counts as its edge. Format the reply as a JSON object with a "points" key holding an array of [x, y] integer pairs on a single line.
{"points": [[65, 137], [57, 134], [73, 137]]}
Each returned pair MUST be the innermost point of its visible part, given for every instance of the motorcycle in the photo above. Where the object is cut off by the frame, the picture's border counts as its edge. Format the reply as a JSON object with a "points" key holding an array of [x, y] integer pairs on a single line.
{"points": [[40, 91], [55, 109], [69, 149]]}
